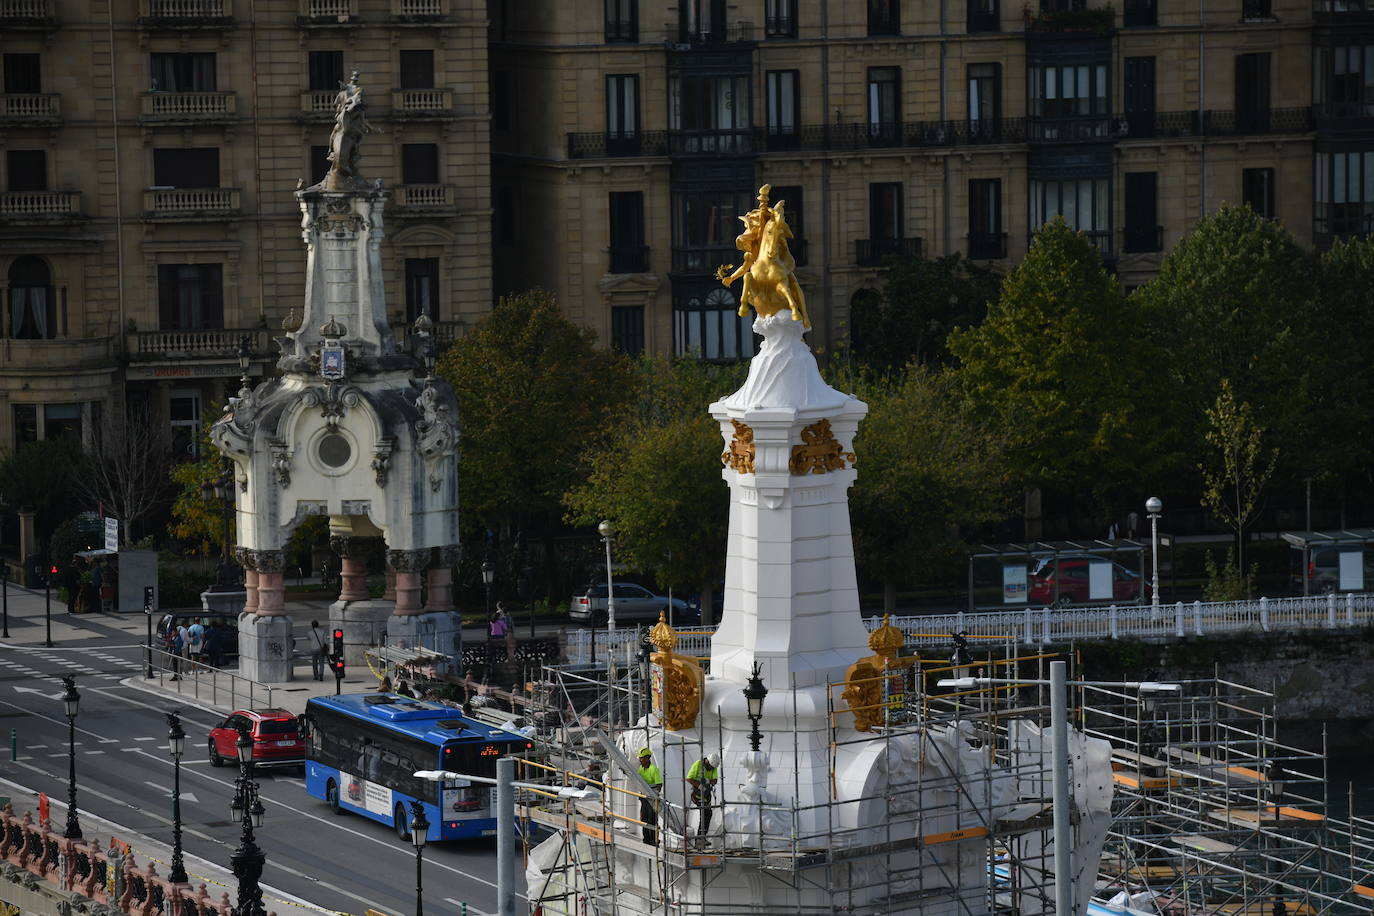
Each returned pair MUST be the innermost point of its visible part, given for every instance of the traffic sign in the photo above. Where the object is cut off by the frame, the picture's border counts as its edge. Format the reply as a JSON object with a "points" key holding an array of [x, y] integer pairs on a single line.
{"points": [[112, 534]]}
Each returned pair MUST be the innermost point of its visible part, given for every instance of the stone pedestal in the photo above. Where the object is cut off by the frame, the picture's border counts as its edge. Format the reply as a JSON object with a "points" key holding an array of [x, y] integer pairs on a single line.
{"points": [[363, 623], [230, 602], [265, 648], [442, 633]]}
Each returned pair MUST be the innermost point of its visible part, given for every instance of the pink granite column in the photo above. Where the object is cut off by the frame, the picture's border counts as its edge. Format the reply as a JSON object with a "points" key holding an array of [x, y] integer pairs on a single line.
{"points": [[389, 590], [271, 584], [248, 560], [409, 564], [352, 567], [440, 600]]}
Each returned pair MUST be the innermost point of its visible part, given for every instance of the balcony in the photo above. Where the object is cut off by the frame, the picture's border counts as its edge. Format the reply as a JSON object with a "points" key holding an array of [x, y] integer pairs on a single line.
{"points": [[216, 344], [190, 204], [418, 11], [1139, 13], [703, 260], [1098, 21], [1332, 221], [1101, 239], [182, 14], [421, 104], [611, 146], [328, 13], [318, 104], [427, 198], [987, 246], [1141, 239], [1344, 116], [27, 14], [31, 109], [876, 252], [39, 206], [444, 334], [739, 32], [71, 353], [189, 108]]}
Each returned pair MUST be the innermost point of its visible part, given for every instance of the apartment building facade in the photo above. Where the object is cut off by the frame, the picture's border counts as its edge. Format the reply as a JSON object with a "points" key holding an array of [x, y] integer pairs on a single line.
{"points": [[151, 151], [641, 129]]}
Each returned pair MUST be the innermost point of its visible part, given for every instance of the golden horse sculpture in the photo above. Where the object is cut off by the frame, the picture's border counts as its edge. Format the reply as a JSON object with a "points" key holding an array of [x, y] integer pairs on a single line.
{"points": [[769, 270]]}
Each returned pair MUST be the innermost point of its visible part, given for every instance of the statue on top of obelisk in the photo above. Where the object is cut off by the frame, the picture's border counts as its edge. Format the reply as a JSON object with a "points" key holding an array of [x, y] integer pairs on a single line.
{"points": [[769, 270], [350, 123]]}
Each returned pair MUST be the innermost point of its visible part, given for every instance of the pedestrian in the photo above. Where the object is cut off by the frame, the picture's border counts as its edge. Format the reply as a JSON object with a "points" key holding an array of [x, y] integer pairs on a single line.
{"points": [[179, 639], [509, 631], [385, 686], [648, 807], [403, 689], [317, 650], [703, 776], [496, 629], [196, 635]]}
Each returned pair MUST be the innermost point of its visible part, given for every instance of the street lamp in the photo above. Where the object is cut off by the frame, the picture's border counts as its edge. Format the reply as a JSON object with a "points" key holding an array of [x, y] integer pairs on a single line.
{"points": [[754, 693], [176, 746], [71, 702], [245, 355], [47, 603], [222, 488], [1154, 507], [5, 585], [248, 859], [419, 832], [607, 533]]}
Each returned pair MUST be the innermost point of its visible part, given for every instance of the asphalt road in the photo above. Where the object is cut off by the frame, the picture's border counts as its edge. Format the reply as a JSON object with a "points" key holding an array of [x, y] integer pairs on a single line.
{"points": [[124, 774]]}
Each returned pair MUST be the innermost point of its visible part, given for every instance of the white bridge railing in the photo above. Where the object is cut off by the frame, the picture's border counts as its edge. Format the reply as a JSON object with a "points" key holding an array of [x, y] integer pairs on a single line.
{"points": [[1030, 626]]}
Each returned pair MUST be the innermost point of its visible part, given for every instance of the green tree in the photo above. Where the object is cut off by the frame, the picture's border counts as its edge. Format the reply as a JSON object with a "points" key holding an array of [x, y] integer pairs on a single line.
{"points": [[922, 300], [126, 468], [658, 477], [1054, 361], [1340, 407], [534, 395], [41, 476], [930, 469], [1239, 468]]}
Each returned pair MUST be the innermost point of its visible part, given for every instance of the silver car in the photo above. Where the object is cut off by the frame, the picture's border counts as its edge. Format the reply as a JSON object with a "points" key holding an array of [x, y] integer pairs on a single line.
{"points": [[633, 604]]}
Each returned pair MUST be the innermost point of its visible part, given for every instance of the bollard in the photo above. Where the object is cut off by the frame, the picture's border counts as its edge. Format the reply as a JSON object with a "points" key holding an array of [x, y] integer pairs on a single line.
{"points": [[463, 910], [14, 744]]}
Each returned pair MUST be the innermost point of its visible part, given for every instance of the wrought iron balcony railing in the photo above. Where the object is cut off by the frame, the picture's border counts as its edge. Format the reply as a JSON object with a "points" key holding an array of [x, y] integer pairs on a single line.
{"points": [[738, 32], [875, 252], [1137, 13], [703, 260]]}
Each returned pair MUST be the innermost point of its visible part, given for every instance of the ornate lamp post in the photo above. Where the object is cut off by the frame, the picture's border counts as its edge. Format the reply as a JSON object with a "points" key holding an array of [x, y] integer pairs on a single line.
{"points": [[176, 746], [419, 833], [607, 534], [488, 577], [1154, 507], [71, 701], [222, 488], [754, 693], [248, 859], [5, 585]]}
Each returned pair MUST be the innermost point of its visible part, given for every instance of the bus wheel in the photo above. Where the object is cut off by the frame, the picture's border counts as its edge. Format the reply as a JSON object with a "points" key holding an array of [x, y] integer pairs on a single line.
{"points": [[331, 796], [402, 828]]}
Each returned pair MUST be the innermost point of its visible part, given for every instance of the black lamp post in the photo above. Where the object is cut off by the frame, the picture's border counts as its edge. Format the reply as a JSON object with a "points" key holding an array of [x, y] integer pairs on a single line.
{"points": [[5, 585], [754, 693], [47, 603], [247, 859], [71, 701], [488, 576], [176, 746], [419, 833], [222, 488]]}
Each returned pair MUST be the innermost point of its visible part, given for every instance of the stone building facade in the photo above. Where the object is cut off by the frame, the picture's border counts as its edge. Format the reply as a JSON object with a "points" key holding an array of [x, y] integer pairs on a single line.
{"points": [[147, 220], [641, 128]]}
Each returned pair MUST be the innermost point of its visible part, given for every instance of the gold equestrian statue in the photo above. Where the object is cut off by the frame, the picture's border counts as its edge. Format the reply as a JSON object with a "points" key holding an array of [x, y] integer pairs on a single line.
{"points": [[769, 270]]}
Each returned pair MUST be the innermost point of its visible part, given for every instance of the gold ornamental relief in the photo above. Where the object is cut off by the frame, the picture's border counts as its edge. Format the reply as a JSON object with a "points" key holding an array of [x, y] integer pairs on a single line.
{"points": [[740, 454], [819, 451], [676, 689], [863, 694]]}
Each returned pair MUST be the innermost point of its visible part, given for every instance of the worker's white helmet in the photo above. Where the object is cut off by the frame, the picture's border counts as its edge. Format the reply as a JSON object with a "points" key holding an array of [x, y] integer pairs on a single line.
{"points": [[713, 759]]}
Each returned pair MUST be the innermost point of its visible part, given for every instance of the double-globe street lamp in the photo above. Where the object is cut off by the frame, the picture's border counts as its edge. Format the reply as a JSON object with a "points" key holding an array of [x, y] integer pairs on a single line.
{"points": [[607, 531], [176, 746], [1153, 507], [71, 703], [247, 859]]}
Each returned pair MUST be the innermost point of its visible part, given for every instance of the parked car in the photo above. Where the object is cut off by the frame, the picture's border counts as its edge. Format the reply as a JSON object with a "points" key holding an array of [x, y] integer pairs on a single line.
{"points": [[276, 733], [221, 633], [633, 604], [1066, 580]]}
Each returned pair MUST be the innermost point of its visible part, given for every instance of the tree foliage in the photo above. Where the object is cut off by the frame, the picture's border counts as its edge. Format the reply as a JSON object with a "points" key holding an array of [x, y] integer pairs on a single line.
{"points": [[126, 468], [41, 476], [657, 479], [193, 517], [534, 395], [1340, 404], [1240, 467]]}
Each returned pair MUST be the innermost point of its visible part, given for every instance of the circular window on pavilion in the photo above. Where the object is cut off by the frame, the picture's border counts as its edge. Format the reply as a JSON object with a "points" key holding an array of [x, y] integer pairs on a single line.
{"points": [[334, 450]]}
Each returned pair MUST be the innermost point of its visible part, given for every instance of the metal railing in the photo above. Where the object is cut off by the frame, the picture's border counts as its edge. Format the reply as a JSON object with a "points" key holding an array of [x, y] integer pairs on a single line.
{"points": [[875, 252], [987, 245], [1142, 238], [213, 685]]}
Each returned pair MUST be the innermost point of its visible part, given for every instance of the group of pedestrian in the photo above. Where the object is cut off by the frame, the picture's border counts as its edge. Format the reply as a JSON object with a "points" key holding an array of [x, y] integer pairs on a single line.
{"points": [[188, 647], [702, 776]]}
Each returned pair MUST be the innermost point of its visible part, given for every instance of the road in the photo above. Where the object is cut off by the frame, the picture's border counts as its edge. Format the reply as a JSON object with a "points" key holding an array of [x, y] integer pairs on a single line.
{"points": [[124, 774]]}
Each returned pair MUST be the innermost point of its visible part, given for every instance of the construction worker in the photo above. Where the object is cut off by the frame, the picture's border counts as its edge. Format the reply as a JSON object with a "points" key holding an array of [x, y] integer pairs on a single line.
{"points": [[703, 776], [648, 809]]}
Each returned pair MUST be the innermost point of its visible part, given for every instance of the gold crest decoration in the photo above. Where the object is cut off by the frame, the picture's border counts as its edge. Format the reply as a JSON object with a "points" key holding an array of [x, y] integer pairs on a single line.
{"points": [[819, 452], [740, 454], [863, 682], [677, 680]]}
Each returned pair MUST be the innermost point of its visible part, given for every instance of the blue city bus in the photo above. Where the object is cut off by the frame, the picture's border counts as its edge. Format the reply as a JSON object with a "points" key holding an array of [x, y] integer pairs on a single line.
{"points": [[362, 751]]}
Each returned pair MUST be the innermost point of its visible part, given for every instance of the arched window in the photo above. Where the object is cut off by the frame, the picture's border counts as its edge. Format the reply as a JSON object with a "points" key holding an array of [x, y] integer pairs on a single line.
{"points": [[33, 305], [709, 327]]}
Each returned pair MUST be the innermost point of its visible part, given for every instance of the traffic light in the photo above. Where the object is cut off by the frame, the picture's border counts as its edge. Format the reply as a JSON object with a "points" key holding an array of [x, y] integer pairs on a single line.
{"points": [[338, 642], [148, 599], [336, 658], [52, 573]]}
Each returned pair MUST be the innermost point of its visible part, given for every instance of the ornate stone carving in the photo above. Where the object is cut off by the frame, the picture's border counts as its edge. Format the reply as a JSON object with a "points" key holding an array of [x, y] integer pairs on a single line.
{"points": [[348, 546], [361, 507], [450, 555], [863, 694], [678, 680], [407, 560], [281, 461], [333, 399], [268, 561], [740, 454], [863, 691], [819, 452], [436, 432], [381, 459], [749, 818], [245, 557]]}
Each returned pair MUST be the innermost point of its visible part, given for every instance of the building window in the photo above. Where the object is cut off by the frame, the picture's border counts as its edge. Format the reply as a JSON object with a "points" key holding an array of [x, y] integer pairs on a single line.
{"points": [[26, 170], [711, 113], [33, 301], [1140, 95], [622, 20], [784, 108], [325, 70], [22, 74], [1141, 206], [25, 424], [1084, 204], [505, 215], [885, 210], [884, 17], [780, 19], [795, 213], [1137, 13], [1256, 9], [419, 163], [1069, 91], [186, 168], [1252, 92], [1345, 80], [417, 69], [984, 16], [1257, 190], [711, 328], [190, 297], [33, 422], [184, 410], [422, 288], [627, 329], [500, 100], [984, 100], [319, 163], [629, 255], [622, 114], [1344, 194], [183, 72], [884, 105], [705, 225], [985, 237], [702, 21]]}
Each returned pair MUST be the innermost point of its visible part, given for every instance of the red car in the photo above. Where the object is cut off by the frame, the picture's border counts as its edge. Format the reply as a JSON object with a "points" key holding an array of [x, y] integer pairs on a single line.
{"points": [[276, 734], [1065, 580]]}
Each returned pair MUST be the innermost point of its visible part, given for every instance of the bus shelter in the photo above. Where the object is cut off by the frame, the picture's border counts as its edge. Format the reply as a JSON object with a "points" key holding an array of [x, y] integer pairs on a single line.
{"points": [[1331, 561], [1057, 574]]}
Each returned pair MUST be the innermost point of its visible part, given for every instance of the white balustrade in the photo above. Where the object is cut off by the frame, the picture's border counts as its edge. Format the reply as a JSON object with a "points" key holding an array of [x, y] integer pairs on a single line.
{"points": [[30, 105], [188, 104], [25, 9], [174, 201], [418, 100], [426, 195], [40, 203], [187, 9], [418, 8]]}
